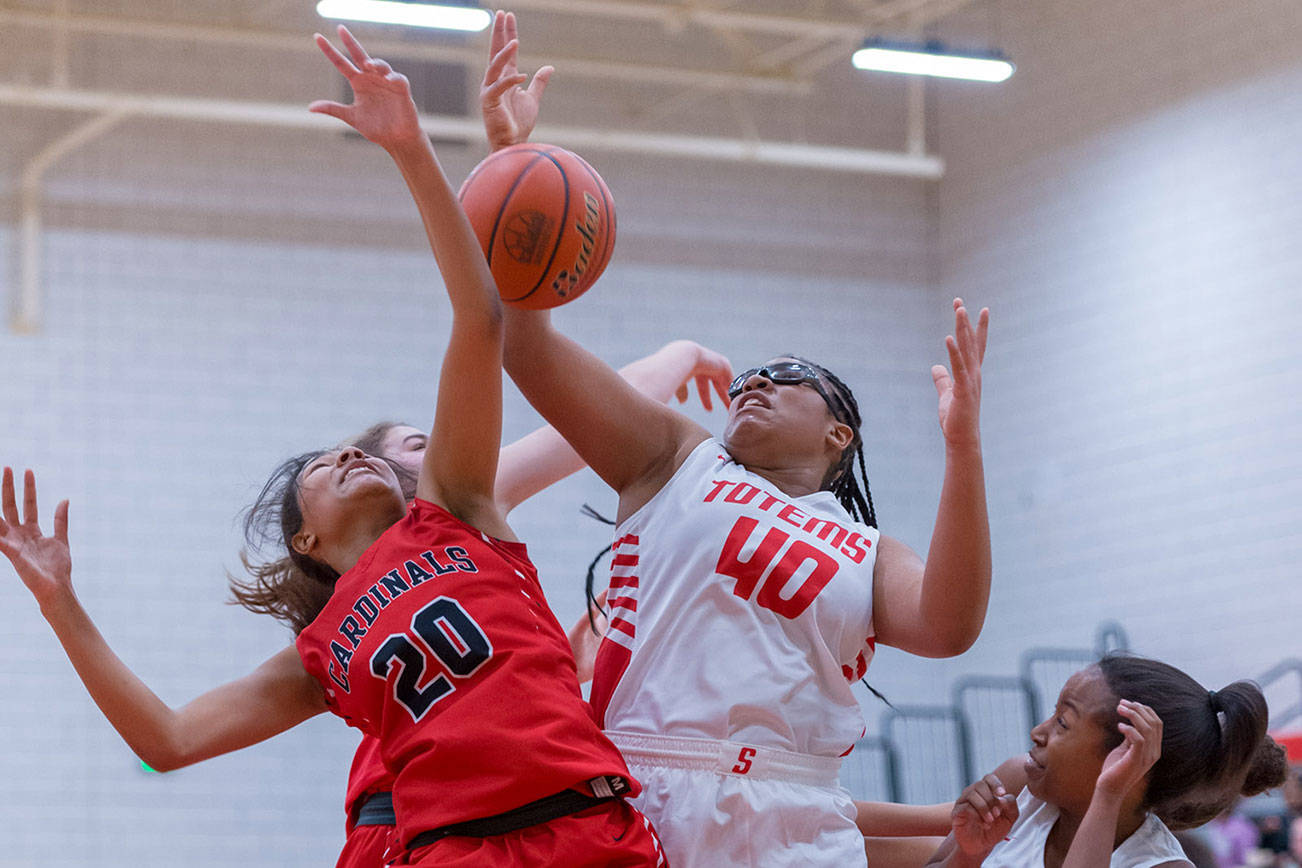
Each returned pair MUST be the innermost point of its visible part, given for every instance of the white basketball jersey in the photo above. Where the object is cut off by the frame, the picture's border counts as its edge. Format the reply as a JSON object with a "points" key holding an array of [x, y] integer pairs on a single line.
{"points": [[738, 613]]}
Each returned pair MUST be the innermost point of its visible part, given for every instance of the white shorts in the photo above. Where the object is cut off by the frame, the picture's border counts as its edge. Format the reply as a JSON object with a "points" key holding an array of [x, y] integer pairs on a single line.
{"points": [[720, 804]]}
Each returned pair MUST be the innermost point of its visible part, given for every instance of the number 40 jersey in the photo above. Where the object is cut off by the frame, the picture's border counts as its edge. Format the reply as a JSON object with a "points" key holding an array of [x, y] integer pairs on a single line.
{"points": [[738, 613], [439, 642]]}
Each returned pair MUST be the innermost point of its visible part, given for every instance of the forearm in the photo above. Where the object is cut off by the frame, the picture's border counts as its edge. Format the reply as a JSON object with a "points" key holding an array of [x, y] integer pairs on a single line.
{"points": [[145, 722], [956, 579], [890, 819], [950, 855], [456, 249], [620, 433], [1092, 845], [543, 457]]}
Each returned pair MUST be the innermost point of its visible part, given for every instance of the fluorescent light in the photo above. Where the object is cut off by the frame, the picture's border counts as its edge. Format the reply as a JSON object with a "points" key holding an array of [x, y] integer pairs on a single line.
{"points": [[931, 59], [443, 17]]}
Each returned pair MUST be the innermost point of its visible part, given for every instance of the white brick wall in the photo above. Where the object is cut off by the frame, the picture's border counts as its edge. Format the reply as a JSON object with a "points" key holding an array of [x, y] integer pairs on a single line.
{"points": [[219, 299], [1128, 205]]}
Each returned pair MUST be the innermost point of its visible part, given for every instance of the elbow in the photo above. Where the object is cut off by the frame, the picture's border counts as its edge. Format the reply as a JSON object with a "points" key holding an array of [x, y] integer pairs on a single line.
{"points": [[162, 759]]}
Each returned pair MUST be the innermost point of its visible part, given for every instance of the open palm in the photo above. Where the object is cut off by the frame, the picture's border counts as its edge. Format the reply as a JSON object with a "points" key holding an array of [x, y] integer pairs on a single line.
{"points": [[382, 108], [44, 563], [510, 110], [959, 392]]}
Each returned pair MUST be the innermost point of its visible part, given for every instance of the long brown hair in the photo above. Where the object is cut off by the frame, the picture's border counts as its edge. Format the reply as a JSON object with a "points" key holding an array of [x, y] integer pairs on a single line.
{"points": [[290, 587]]}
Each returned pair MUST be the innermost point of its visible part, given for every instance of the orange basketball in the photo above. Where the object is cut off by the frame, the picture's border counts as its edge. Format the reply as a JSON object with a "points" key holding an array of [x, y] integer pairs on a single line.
{"points": [[545, 220]]}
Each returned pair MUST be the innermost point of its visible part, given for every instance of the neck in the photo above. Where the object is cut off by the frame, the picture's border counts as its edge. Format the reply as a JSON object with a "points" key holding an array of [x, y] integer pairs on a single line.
{"points": [[1068, 822], [792, 480], [345, 553]]}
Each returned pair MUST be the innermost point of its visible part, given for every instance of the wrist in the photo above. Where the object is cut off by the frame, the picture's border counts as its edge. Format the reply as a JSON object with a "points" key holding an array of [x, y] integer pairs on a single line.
{"points": [[415, 147], [60, 606], [965, 449], [1105, 802]]}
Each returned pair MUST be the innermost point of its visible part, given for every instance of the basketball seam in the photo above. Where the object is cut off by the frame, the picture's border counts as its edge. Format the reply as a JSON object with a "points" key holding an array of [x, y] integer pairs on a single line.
{"points": [[560, 232], [497, 220], [609, 239]]}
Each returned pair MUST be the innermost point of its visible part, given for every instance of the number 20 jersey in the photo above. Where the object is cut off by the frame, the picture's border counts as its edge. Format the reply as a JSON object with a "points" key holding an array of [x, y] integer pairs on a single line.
{"points": [[440, 643], [738, 613]]}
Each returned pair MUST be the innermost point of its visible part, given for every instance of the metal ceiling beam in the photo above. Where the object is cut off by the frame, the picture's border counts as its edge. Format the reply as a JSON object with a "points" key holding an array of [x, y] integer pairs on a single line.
{"points": [[822, 157], [474, 58]]}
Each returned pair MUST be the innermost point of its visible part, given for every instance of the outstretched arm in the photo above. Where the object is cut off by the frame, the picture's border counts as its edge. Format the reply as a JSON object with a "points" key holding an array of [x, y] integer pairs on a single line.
{"points": [[937, 608], [276, 696], [461, 464], [543, 457], [632, 442]]}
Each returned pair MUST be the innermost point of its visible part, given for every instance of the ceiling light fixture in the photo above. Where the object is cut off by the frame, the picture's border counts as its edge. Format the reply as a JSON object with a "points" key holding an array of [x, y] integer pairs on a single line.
{"points": [[444, 16], [931, 58]]}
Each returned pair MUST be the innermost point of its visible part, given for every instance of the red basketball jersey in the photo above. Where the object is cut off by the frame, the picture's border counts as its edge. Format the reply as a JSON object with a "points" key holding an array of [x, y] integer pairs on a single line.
{"points": [[367, 776], [439, 642]]}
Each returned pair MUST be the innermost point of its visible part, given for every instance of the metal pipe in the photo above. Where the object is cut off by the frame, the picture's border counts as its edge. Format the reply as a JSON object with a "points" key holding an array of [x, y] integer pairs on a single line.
{"points": [[821, 157], [27, 312]]}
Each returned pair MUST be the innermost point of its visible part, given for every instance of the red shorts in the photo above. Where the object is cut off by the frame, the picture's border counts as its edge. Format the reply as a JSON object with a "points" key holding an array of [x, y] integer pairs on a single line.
{"points": [[610, 835], [365, 847]]}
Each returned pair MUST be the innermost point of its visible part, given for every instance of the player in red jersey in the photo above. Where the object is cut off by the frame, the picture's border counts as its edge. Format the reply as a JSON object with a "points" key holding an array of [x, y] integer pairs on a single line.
{"points": [[437, 638]]}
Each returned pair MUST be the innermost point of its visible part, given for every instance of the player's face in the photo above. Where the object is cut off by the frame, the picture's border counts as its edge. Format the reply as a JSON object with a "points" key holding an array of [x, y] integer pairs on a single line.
{"points": [[768, 420], [1068, 749], [342, 487], [405, 446]]}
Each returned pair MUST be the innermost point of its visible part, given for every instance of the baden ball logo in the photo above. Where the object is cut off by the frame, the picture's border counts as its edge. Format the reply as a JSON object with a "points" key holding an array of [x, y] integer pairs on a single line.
{"points": [[526, 235], [568, 278]]}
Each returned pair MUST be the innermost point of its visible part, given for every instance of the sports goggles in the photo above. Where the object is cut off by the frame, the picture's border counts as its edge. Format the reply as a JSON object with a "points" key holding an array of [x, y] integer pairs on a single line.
{"points": [[787, 374]]}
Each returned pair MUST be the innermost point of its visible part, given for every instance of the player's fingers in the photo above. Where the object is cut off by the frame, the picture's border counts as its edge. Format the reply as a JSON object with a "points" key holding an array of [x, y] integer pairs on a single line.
{"points": [[941, 378], [499, 61], [61, 522], [957, 364], [498, 38], [680, 394], [341, 63], [509, 27], [378, 66], [354, 47], [334, 109], [539, 83], [983, 328], [29, 499], [10, 504], [703, 389], [493, 92]]}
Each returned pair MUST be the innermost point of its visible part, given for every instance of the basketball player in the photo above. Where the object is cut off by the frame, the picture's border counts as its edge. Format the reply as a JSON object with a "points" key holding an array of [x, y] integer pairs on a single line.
{"points": [[749, 583], [437, 639]]}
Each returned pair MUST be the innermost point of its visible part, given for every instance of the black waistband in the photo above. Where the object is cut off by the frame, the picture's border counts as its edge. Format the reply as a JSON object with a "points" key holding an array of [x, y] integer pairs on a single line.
{"points": [[377, 810], [561, 804]]}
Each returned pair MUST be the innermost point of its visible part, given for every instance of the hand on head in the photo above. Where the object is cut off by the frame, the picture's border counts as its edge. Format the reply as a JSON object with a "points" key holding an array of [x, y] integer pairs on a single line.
{"points": [[1141, 747], [43, 563], [382, 108], [510, 110], [960, 391]]}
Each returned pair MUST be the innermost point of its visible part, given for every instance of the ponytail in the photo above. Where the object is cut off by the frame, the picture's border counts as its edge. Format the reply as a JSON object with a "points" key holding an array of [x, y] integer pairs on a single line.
{"points": [[1213, 742]]}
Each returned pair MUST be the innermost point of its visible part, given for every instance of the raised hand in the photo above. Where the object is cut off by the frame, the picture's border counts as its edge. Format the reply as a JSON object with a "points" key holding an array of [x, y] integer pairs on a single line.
{"points": [[43, 563], [960, 393], [711, 370], [1140, 748], [982, 816], [382, 108], [509, 110]]}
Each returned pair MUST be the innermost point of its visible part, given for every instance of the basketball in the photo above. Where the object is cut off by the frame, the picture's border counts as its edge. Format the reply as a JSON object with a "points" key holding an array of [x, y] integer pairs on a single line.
{"points": [[545, 220]]}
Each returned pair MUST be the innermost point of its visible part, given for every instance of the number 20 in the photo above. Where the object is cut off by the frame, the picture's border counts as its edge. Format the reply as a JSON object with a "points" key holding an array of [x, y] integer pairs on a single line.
{"points": [[446, 631]]}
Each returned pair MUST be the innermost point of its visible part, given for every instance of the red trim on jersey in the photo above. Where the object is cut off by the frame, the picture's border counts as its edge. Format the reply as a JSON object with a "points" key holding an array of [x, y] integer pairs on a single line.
{"points": [[612, 660], [623, 582], [626, 540], [623, 626], [624, 561], [623, 603]]}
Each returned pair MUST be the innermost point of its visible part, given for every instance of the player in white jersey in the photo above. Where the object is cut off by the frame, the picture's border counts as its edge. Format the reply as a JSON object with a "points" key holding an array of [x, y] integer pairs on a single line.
{"points": [[745, 597], [749, 584]]}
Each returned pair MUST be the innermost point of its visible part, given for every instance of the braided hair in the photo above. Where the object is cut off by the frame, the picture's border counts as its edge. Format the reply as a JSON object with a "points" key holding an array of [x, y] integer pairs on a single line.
{"points": [[842, 481]]}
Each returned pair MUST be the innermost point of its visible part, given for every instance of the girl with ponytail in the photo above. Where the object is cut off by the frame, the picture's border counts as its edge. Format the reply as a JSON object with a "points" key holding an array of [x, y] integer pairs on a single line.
{"points": [[1133, 749]]}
